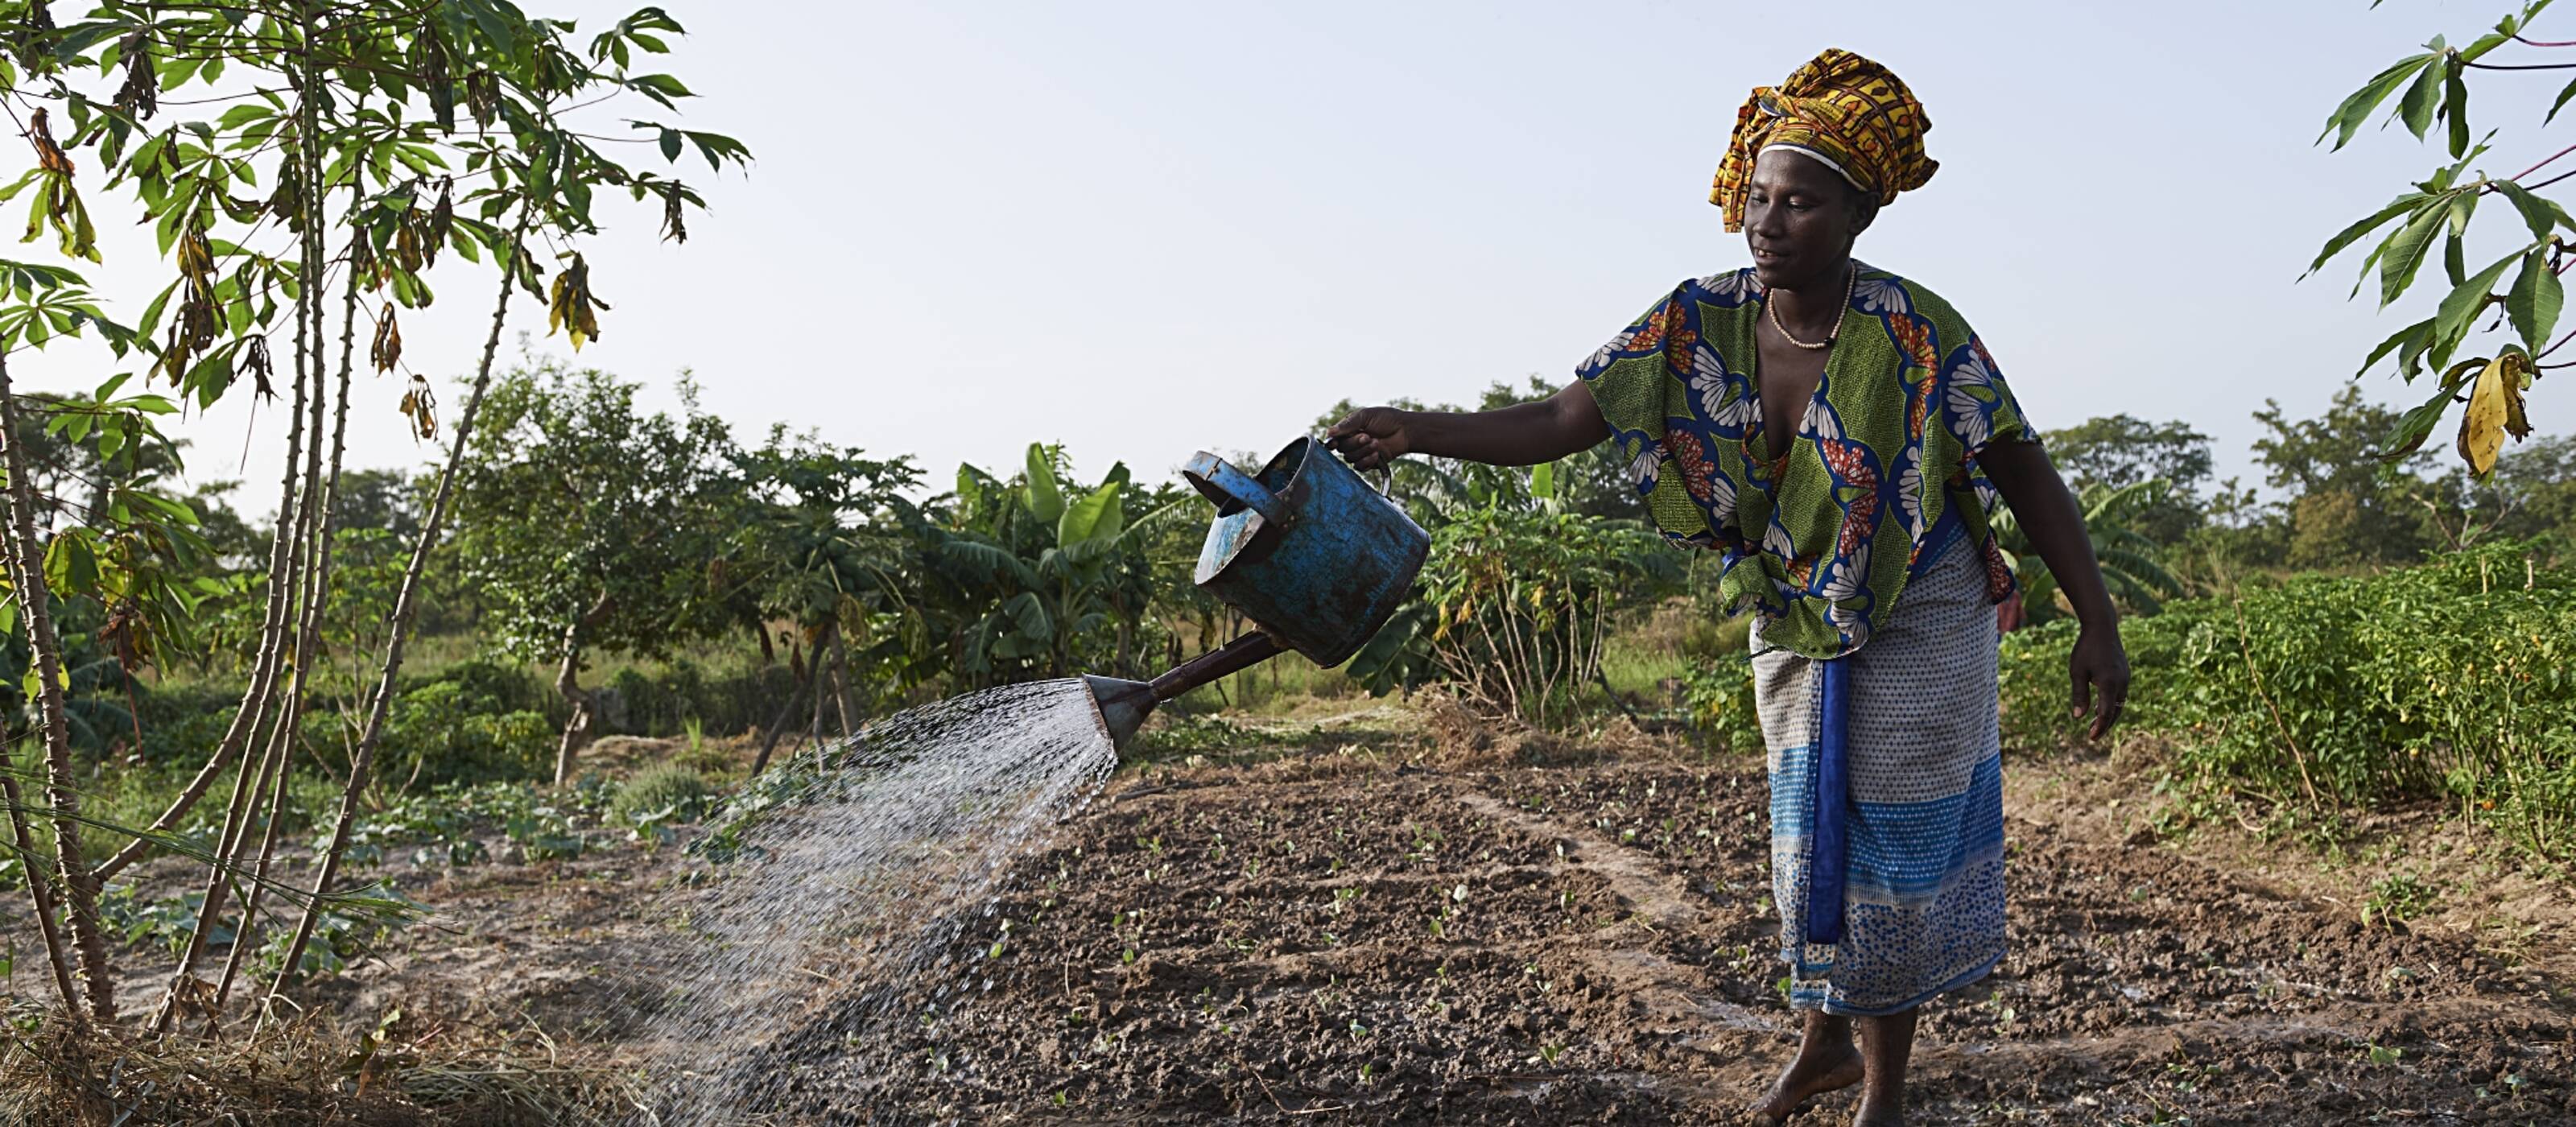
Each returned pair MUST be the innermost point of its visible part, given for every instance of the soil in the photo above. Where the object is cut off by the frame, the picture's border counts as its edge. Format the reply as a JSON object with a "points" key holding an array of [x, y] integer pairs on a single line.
{"points": [[1457, 927], [1326, 940]]}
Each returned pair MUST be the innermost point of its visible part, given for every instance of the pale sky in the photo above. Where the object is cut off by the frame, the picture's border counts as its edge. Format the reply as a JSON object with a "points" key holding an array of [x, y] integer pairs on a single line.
{"points": [[1143, 229]]}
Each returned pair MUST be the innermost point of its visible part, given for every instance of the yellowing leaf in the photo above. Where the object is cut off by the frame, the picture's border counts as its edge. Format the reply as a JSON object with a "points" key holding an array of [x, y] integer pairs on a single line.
{"points": [[2482, 425]]}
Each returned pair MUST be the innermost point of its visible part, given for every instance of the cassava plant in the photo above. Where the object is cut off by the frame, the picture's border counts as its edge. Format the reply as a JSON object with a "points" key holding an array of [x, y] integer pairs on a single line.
{"points": [[326, 155], [2521, 290]]}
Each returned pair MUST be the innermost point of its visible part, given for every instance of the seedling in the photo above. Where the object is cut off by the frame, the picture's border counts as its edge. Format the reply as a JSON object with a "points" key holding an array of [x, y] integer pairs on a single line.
{"points": [[2396, 898]]}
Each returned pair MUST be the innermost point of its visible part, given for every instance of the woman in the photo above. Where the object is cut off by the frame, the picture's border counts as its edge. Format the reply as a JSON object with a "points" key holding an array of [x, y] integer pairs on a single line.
{"points": [[1839, 434]]}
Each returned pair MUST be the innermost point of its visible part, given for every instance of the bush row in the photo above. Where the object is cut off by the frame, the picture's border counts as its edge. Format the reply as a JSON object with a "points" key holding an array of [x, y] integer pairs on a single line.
{"points": [[2454, 680]]}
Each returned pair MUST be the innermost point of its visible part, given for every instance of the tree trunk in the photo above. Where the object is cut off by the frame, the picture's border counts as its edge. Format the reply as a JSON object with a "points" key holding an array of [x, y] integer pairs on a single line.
{"points": [[405, 606], [777, 727], [850, 715], [302, 584], [585, 704], [822, 693], [41, 889], [80, 885], [308, 645]]}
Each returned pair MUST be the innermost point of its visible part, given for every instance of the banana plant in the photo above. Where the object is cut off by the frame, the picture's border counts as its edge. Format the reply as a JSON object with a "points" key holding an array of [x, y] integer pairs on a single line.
{"points": [[1034, 579], [2128, 560]]}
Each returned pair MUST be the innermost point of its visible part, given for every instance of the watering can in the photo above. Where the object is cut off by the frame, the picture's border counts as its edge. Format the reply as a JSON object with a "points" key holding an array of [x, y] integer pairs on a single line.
{"points": [[1309, 552]]}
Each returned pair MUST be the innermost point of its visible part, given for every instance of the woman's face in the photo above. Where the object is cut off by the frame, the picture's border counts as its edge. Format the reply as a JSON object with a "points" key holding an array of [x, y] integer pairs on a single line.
{"points": [[1800, 218]]}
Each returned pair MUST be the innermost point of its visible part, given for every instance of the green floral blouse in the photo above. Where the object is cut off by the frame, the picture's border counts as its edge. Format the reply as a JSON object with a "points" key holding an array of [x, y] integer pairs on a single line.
{"points": [[1883, 475]]}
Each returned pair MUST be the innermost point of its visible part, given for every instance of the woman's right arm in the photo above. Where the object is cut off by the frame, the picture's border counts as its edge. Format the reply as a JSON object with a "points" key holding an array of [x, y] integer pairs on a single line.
{"points": [[1524, 434]]}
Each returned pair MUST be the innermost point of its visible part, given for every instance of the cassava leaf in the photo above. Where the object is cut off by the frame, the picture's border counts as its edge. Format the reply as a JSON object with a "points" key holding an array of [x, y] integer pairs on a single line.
{"points": [[2535, 300], [2405, 252], [2347, 118]]}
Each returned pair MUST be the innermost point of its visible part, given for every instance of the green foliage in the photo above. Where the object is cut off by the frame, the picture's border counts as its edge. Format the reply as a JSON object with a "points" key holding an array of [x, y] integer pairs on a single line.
{"points": [[1517, 597], [2443, 205], [1719, 695], [588, 522], [817, 544], [2451, 680], [664, 701], [1009, 592], [2397, 898], [454, 730], [663, 792]]}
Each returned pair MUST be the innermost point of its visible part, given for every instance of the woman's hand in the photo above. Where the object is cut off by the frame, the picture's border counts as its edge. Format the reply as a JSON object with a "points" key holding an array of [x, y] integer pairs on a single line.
{"points": [[1371, 437], [2100, 669]]}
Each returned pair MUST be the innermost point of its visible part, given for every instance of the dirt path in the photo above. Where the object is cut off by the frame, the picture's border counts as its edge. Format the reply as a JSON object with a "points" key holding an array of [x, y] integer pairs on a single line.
{"points": [[1594, 943]]}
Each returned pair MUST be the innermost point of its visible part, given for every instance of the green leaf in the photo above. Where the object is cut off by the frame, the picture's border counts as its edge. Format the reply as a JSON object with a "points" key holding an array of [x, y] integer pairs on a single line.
{"points": [[2535, 300], [2455, 105], [2416, 108], [2564, 93], [2366, 225], [2416, 425], [2347, 118], [2542, 216], [1030, 615], [1046, 500], [2462, 304], [2404, 254], [2399, 337], [1543, 480], [1096, 516]]}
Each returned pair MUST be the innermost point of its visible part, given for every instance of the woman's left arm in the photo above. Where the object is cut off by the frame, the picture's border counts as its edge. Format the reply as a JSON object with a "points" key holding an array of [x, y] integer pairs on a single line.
{"points": [[2055, 523]]}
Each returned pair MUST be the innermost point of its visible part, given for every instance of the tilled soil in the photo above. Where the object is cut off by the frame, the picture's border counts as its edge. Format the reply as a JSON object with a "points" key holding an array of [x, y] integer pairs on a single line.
{"points": [[1595, 943]]}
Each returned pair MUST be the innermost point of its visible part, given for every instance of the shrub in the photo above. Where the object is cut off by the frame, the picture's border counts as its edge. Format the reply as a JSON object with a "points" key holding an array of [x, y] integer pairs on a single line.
{"points": [[1719, 694], [2447, 680], [663, 792], [1517, 603], [447, 731]]}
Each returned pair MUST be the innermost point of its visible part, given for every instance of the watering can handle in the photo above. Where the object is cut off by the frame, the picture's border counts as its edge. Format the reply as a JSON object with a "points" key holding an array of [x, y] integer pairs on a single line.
{"points": [[1219, 481]]}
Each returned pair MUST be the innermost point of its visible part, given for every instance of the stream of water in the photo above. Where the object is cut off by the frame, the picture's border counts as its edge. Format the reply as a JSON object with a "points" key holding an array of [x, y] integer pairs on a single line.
{"points": [[853, 868]]}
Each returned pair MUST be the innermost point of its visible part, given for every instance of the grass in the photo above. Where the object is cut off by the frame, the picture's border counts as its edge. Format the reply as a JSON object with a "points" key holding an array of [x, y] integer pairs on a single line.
{"points": [[307, 1072]]}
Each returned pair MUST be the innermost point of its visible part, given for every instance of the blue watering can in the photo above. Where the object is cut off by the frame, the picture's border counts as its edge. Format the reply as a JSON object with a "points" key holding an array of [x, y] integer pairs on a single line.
{"points": [[1306, 550]]}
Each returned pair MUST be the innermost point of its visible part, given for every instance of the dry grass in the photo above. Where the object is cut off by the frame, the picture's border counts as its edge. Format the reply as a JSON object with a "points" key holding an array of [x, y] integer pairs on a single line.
{"points": [[304, 1072]]}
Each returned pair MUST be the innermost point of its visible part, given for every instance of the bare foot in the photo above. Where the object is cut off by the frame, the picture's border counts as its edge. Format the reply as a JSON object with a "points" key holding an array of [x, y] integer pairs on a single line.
{"points": [[1811, 1075], [1878, 1113]]}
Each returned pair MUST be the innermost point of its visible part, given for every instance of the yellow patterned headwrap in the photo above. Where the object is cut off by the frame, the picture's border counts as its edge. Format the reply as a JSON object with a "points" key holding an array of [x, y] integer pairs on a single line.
{"points": [[1847, 111]]}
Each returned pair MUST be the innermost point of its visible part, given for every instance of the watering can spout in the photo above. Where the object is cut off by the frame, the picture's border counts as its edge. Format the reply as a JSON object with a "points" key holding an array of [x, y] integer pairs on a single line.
{"points": [[1123, 705]]}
